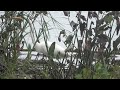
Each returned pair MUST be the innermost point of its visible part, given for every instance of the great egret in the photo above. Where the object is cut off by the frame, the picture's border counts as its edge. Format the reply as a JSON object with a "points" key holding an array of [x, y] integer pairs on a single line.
{"points": [[40, 47]]}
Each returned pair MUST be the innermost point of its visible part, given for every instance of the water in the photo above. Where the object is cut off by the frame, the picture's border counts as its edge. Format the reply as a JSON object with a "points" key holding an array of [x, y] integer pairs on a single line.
{"points": [[23, 56]]}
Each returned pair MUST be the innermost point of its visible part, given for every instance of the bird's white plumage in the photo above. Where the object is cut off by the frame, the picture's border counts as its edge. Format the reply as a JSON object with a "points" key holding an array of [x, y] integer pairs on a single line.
{"points": [[41, 48]]}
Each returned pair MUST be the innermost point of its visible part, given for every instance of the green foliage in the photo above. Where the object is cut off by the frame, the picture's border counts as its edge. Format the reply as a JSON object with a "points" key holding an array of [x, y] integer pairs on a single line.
{"points": [[13, 31], [51, 50], [100, 72], [108, 19]]}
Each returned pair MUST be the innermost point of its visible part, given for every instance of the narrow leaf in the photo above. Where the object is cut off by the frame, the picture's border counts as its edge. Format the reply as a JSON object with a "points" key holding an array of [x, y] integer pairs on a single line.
{"points": [[66, 13], [116, 42], [62, 32], [103, 37], [59, 39], [69, 39], [101, 28], [94, 14], [89, 32], [83, 18], [108, 19], [51, 50], [118, 26], [90, 14], [82, 27], [100, 12], [74, 25]]}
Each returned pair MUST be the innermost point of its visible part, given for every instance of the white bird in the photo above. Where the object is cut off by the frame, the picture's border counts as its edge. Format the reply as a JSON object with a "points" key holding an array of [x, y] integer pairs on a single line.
{"points": [[40, 47]]}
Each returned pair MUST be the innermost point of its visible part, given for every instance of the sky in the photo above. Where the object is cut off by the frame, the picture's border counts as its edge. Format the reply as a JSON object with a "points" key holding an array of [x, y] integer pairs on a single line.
{"points": [[61, 18]]}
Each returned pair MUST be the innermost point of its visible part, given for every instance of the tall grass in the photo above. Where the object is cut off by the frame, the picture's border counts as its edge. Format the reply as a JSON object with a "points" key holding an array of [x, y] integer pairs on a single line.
{"points": [[94, 45]]}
